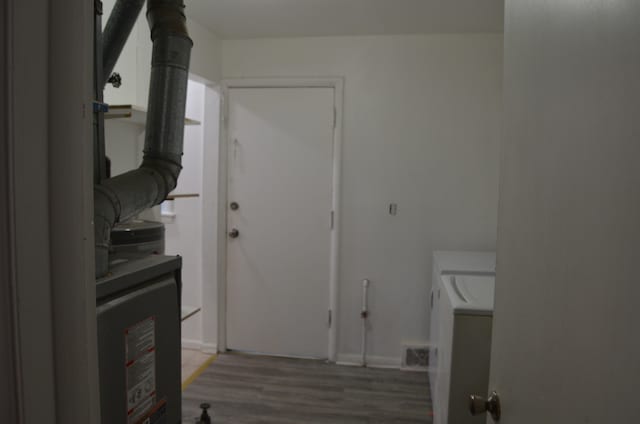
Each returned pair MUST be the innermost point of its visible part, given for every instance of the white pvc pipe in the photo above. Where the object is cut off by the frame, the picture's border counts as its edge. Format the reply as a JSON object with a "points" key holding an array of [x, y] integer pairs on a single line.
{"points": [[364, 314]]}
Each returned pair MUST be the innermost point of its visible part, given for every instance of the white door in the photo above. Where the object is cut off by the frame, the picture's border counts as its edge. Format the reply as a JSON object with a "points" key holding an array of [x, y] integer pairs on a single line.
{"points": [[566, 343], [280, 143]]}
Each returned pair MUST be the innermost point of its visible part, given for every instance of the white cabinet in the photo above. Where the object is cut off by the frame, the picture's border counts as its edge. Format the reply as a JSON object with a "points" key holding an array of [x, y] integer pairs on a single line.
{"points": [[127, 65]]}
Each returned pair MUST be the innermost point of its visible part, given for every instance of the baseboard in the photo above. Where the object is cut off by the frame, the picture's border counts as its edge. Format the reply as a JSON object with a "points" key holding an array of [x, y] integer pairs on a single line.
{"points": [[191, 344], [345, 359], [210, 348], [372, 361]]}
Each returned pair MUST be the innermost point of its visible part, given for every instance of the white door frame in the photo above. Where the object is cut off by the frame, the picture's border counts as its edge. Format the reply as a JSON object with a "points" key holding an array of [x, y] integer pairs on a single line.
{"points": [[338, 85]]}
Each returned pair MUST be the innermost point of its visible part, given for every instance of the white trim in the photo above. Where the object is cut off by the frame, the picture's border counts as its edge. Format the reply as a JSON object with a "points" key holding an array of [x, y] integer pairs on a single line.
{"points": [[355, 360], [191, 344], [335, 237], [211, 134], [277, 82], [337, 83], [210, 348], [222, 222], [277, 355]]}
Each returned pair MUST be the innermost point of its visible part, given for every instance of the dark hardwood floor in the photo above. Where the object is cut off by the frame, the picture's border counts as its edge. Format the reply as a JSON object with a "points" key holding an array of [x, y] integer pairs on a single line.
{"points": [[258, 389]]}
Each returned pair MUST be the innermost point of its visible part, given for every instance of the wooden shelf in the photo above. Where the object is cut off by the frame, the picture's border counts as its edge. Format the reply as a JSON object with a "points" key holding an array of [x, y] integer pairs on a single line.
{"points": [[135, 114], [181, 196]]}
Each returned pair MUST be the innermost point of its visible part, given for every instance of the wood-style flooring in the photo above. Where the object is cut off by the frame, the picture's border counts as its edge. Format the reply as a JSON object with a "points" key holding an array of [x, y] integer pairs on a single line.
{"points": [[259, 389], [191, 361]]}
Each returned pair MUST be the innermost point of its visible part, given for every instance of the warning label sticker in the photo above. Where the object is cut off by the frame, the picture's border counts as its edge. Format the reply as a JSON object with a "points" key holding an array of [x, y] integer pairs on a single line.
{"points": [[140, 339], [157, 415], [141, 369]]}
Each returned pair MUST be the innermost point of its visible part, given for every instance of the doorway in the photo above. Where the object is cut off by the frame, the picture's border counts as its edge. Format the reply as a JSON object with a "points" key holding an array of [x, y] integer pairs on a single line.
{"points": [[281, 231]]}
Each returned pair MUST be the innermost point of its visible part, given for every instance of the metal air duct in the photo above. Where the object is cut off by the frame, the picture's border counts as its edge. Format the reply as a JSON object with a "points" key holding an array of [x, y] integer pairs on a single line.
{"points": [[126, 195]]}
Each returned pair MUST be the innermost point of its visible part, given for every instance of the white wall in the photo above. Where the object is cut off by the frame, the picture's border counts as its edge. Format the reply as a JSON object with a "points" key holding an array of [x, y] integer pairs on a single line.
{"points": [[205, 65], [210, 229], [421, 129], [127, 63], [122, 145], [193, 231], [206, 56], [183, 234]]}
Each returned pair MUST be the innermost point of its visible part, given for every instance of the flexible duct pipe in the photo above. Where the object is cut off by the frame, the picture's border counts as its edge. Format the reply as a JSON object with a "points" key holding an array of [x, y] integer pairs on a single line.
{"points": [[126, 195], [121, 21], [364, 315]]}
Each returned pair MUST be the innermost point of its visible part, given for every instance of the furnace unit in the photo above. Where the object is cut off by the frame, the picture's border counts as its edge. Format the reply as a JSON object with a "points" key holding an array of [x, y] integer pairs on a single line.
{"points": [[138, 308]]}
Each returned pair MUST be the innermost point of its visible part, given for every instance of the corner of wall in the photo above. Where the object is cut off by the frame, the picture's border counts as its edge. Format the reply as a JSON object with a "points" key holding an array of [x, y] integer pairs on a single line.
{"points": [[206, 57]]}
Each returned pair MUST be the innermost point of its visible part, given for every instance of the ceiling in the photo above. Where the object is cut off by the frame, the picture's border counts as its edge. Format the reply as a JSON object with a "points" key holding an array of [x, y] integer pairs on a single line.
{"points": [[302, 18]]}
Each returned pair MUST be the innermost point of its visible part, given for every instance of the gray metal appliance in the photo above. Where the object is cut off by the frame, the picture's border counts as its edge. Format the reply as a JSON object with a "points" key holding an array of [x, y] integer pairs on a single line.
{"points": [[136, 238], [138, 309]]}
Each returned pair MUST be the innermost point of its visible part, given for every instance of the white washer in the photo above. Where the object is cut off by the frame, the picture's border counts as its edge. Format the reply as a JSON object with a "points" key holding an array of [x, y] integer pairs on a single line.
{"points": [[451, 263], [465, 322]]}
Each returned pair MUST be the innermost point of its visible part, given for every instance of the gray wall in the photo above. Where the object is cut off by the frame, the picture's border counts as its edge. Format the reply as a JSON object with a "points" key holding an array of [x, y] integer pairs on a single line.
{"points": [[70, 185], [49, 165], [29, 168], [8, 389]]}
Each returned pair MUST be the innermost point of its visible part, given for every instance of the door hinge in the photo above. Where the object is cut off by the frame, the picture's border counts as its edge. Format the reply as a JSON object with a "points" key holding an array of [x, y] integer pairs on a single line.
{"points": [[332, 219], [329, 320], [335, 117], [224, 113]]}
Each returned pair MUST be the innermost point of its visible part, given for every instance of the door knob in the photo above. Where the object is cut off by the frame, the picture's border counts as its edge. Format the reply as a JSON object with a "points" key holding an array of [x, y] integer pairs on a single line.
{"points": [[234, 233], [479, 405]]}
